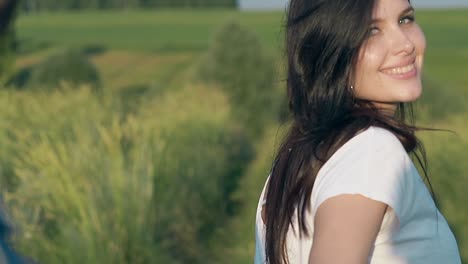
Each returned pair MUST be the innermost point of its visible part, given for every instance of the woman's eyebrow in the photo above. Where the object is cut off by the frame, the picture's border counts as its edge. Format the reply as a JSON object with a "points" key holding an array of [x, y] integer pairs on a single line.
{"points": [[404, 12], [407, 10]]}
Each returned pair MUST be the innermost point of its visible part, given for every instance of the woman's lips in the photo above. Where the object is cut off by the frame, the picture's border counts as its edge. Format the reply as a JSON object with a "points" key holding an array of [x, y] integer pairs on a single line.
{"points": [[401, 73]]}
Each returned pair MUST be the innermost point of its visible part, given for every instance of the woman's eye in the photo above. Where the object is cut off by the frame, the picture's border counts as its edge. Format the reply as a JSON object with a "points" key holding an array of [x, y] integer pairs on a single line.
{"points": [[406, 20], [373, 31]]}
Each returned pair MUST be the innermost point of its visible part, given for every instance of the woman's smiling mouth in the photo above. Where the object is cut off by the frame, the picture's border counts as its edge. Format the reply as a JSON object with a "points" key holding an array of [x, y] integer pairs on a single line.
{"points": [[405, 72]]}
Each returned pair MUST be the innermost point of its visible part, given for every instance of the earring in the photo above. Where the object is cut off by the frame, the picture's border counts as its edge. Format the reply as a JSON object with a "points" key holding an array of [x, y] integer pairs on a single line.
{"points": [[351, 87]]}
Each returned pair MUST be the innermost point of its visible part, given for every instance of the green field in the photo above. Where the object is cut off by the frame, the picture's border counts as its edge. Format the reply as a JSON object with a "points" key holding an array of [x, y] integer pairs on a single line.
{"points": [[78, 188], [189, 33]]}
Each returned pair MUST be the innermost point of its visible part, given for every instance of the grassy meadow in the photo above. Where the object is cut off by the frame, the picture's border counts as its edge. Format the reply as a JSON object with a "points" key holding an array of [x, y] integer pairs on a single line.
{"points": [[155, 169]]}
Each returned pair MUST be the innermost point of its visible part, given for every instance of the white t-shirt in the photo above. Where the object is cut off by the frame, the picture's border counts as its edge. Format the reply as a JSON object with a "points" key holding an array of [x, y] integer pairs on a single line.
{"points": [[375, 164]]}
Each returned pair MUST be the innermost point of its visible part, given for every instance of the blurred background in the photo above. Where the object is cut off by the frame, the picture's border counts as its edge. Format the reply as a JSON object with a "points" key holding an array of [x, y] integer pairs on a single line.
{"points": [[142, 131]]}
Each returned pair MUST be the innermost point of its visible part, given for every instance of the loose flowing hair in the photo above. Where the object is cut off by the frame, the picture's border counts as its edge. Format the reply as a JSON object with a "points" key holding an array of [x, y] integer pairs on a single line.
{"points": [[323, 40]]}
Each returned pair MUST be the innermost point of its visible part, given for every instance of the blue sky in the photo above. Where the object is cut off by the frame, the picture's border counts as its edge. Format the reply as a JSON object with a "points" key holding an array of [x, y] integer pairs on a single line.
{"points": [[279, 4]]}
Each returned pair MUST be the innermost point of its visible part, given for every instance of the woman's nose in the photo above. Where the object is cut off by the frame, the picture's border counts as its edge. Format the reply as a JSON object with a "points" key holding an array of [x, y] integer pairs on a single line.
{"points": [[402, 42]]}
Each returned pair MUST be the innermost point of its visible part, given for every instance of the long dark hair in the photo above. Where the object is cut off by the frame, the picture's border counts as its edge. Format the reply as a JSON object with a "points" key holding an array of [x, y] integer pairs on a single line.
{"points": [[323, 40]]}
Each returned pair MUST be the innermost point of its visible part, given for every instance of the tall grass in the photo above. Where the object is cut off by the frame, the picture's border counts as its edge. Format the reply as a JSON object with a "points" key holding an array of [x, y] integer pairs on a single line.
{"points": [[96, 186], [81, 194]]}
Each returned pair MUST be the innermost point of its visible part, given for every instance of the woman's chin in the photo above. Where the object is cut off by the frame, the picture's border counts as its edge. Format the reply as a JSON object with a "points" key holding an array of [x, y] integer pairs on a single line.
{"points": [[408, 94]]}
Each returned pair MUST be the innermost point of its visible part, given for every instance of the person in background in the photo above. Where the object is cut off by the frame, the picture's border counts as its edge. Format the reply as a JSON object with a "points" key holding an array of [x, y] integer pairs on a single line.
{"points": [[343, 188], [7, 8], [7, 254]]}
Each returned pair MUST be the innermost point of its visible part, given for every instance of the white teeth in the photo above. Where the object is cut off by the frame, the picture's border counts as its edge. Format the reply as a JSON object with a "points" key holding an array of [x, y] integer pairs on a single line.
{"points": [[400, 70]]}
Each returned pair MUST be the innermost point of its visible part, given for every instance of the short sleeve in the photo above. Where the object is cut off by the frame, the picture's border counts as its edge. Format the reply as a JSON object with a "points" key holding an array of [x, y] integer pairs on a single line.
{"points": [[373, 164]]}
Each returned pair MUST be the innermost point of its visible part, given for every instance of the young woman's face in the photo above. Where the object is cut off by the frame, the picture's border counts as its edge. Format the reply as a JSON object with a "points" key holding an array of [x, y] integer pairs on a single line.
{"points": [[389, 66]]}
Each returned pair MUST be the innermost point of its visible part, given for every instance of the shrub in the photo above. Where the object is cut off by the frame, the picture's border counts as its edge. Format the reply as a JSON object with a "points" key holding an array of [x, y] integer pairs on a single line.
{"points": [[200, 164], [195, 177], [237, 62], [70, 66]]}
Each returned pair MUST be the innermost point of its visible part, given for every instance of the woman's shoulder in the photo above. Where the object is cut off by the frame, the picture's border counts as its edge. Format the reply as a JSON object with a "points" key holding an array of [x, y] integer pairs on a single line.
{"points": [[384, 135], [377, 135], [369, 142], [373, 163], [372, 147]]}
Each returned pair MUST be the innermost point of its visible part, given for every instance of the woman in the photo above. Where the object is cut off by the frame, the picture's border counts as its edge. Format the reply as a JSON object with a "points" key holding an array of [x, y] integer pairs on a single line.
{"points": [[343, 188]]}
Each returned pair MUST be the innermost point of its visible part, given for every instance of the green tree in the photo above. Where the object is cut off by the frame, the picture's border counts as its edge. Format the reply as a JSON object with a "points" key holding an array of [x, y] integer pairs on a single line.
{"points": [[70, 66], [237, 63]]}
